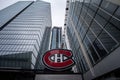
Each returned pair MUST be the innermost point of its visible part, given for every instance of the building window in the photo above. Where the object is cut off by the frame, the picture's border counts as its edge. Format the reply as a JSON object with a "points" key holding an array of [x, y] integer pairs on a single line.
{"points": [[107, 40]]}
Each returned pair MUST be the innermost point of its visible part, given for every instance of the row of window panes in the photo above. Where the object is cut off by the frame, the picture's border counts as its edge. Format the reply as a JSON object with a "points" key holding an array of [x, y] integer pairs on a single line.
{"points": [[103, 45], [100, 44], [29, 18], [99, 12], [39, 36], [16, 60], [20, 42], [37, 23], [24, 26], [14, 54], [18, 49], [20, 21], [100, 20], [21, 37], [20, 32], [27, 29], [78, 56], [8, 41], [15, 64], [81, 61], [26, 23]]}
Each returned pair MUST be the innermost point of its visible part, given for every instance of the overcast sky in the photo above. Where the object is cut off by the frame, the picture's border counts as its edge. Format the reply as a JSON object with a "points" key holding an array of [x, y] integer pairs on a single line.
{"points": [[57, 6]]}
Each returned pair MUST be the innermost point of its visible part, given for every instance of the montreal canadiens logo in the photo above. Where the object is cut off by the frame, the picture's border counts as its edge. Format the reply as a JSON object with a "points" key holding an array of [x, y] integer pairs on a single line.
{"points": [[58, 59]]}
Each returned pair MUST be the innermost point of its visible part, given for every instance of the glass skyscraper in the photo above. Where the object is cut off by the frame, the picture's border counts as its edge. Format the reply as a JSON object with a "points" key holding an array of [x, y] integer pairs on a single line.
{"points": [[23, 28], [56, 39], [93, 30]]}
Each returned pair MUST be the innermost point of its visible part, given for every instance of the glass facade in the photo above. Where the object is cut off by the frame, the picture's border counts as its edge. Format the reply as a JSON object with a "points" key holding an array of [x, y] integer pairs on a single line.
{"points": [[97, 24], [45, 44], [56, 40], [13, 10], [20, 39]]}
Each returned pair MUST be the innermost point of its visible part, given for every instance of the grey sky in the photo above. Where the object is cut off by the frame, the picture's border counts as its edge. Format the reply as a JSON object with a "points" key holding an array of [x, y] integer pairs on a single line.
{"points": [[57, 6]]}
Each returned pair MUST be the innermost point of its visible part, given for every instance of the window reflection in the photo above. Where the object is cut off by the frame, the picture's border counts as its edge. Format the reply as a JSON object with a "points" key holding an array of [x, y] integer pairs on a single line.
{"points": [[107, 41], [114, 31], [99, 48], [108, 6]]}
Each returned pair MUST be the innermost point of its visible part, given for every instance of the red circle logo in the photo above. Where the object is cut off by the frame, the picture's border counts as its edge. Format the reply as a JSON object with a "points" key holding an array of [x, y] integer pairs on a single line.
{"points": [[58, 59]]}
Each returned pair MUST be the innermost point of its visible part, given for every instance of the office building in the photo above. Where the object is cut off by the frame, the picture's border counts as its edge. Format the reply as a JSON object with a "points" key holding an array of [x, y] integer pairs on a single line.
{"points": [[45, 46], [93, 31], [24, 27], [56, 39]]}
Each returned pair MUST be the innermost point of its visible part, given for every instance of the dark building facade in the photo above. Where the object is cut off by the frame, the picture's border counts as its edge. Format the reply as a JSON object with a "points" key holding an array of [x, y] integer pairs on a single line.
{"points": [[45, 45], [56, 39], [24, 27], [93, 31]]}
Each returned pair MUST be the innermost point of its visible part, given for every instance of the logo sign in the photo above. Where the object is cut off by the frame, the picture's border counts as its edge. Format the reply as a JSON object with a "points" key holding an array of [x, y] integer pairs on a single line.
{"points": [[58, 59]]}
